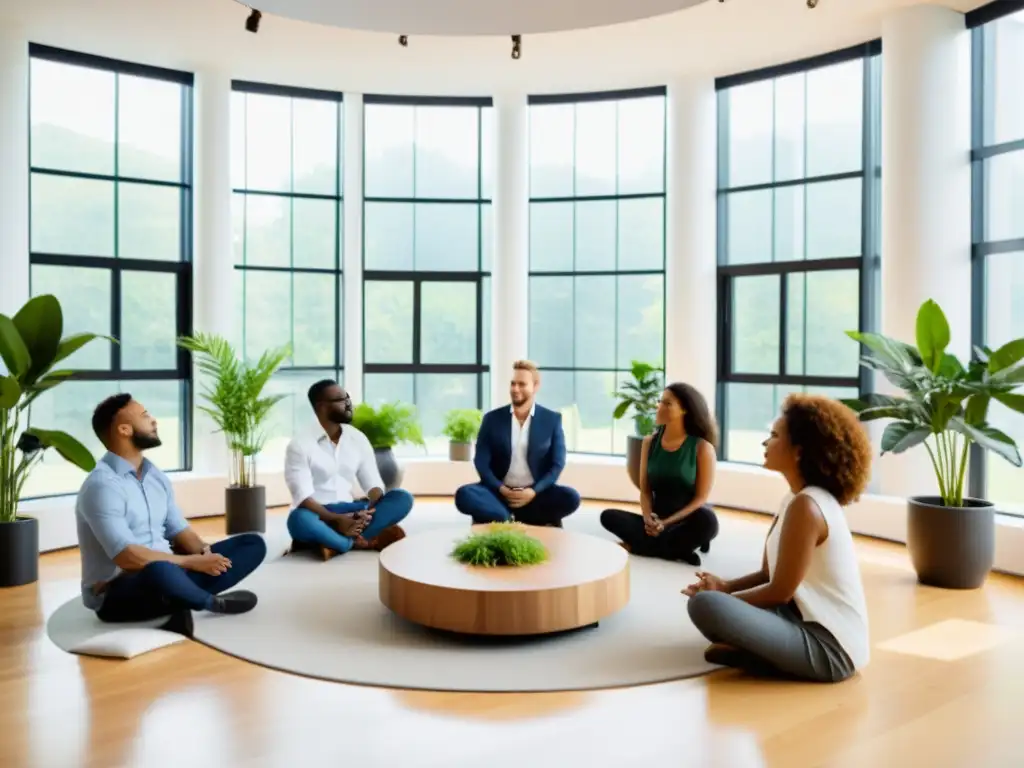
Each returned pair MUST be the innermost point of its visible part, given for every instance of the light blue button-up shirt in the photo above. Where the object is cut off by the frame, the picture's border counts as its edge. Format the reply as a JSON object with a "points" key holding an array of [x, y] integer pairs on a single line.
{"points": [[117, 507]]}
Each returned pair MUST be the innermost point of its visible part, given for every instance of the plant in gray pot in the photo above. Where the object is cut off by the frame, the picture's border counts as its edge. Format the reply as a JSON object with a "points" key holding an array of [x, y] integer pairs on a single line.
{"points": [[31, 344], [385, 427], [236, 403], [461, 427], [641, 394], [951, 538]]}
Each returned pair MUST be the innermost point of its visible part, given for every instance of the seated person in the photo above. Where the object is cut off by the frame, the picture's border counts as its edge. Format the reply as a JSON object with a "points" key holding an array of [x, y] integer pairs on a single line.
{"points": [[320, 471], [677, 469], [129, 530], [803, 614], [520, 453]]}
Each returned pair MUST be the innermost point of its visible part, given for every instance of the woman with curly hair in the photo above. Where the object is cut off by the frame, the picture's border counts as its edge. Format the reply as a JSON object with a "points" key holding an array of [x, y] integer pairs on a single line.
{"points": [[803, 614]]}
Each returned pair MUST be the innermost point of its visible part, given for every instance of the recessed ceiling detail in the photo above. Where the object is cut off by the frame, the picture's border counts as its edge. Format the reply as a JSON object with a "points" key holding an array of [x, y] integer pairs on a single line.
{"points": [[469, 17]]}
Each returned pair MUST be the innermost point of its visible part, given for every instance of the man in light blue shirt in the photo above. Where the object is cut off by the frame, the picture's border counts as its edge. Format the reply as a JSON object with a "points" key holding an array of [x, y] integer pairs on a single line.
{"points": [[140, 559]]}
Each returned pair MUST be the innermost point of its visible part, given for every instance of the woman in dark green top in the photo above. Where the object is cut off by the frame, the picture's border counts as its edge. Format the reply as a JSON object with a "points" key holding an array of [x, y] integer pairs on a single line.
{"points": [[677, 468]]}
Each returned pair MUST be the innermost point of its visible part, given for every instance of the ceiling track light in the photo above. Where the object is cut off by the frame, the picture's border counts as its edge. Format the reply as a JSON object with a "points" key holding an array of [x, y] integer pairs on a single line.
{"points": [[517, 43], [812, 3], [252, 24], [403, 40]]}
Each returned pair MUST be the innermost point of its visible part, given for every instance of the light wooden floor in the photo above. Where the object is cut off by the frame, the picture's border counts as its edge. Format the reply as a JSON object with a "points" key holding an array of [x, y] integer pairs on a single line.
{"points": [[945, 688]]}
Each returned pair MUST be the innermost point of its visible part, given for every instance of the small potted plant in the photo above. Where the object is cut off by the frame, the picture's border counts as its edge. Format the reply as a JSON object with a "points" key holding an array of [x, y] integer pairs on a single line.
{"points": [[944, 407], [461, 427], [641, 394], [500, 545], [31, 344], [235, 402], [385, 427]]}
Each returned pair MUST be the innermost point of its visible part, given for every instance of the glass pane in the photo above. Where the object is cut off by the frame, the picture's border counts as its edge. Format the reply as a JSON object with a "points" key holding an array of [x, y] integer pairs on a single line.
{"points": [[557, 392], [85, 301], [755, 324], [314, 320], [551, 237], [749, 220], [641, 145], [595, 160], [487, 152], [315, 140], [789, 223], [387, 320], [1005, 38], [293, 416], [790, 93], [436, 394], [149, 321], [448, 323], [447, 237], [238, 228], [835, 112], [72, 117], [1004, 195], [389, 136], [238, 102], [72, 216], [552, 136], [485, 321], [834, 212], [594, 334], [388, 388], [315, 239], [595, 235], [750, 133], [551, 307], [641, 234], [69, 408], [487, 237], [447, 152], [821, 307], [268, 143], [388, 235], [149, 220], [595, 403], [149, 128], [268, 230], [268, 306], [641, 320]]}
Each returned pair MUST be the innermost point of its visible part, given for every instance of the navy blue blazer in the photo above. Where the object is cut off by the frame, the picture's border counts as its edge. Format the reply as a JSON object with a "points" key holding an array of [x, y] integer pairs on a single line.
{"points": [[545, 453]]}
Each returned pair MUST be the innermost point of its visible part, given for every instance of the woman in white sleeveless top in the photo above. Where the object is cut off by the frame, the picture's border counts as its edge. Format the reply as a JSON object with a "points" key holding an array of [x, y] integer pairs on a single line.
{"points": [[803, 614]]}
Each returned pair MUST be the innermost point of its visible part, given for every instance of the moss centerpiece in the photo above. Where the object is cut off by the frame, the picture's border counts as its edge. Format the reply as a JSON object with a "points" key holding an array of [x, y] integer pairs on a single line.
{"points": [[500, 544]]}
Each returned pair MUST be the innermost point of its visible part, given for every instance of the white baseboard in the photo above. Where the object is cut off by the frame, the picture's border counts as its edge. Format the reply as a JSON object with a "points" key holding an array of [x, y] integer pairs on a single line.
{"points": [[737, 486]]}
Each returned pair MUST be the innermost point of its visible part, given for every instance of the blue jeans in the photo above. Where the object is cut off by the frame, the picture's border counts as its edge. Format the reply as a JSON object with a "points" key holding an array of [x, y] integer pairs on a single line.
{"points": [[547, 508], [162, 588], [305, 525]]}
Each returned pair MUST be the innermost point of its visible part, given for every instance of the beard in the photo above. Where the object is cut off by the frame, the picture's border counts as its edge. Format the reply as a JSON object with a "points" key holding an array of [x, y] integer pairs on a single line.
{"points": [[145, 442], [519, 399], [341, 416]]}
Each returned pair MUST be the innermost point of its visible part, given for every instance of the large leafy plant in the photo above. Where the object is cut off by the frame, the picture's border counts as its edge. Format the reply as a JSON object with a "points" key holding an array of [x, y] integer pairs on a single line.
{"points": [[641, 394], [388, 425], [461, 425], [235, 399], [944, 404], [31, 345]]}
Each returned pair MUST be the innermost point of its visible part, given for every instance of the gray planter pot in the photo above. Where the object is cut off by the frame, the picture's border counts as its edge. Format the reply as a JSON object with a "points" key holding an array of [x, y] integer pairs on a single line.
{"points": [[245, 509], [460, 451], [391, 472], [634, 448], [951, 547], [19, 552]]}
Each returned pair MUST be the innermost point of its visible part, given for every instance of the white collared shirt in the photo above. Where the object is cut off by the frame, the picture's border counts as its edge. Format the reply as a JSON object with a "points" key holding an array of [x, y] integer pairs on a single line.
{"points": [[519, 475], [315, 467]]}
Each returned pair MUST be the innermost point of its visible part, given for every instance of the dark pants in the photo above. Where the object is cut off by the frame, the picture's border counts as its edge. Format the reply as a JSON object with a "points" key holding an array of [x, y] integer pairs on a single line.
{"points": [[163, 588], [547, 508], [678, 541], [305, 526]]}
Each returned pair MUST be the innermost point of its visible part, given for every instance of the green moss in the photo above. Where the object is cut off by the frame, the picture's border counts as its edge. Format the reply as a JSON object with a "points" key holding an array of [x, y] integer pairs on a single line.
{"points": [[501, 544]]}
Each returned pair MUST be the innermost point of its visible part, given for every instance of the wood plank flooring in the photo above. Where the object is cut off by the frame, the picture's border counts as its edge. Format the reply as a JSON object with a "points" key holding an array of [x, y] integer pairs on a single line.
{"points": [[945, 688]]}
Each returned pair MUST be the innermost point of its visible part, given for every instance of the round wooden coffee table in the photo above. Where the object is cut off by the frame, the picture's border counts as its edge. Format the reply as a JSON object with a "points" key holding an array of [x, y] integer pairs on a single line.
{"points": [[584, 580]]}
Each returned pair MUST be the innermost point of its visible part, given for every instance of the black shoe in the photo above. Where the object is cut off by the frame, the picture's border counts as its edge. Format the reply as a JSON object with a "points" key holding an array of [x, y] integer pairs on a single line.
{"points": [[705, 548], [691, 558], [180, 622], [240, 601]]}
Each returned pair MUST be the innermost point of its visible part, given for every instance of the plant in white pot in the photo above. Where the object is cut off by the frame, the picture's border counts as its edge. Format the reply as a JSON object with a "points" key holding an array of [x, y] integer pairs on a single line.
{"points": [[641, 394], [461, 427], [944, 407], [236, 403], [31, 344]]}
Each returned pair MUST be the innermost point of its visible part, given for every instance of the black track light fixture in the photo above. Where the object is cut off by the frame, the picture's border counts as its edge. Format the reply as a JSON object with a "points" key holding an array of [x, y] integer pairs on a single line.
{"points": [[812, 3], [403, 40], [253, 22], [517, 45]]}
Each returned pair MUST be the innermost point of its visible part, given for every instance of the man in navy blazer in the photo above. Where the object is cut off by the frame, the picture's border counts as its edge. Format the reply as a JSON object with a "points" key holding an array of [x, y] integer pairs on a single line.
{"points": [[520, 453]]}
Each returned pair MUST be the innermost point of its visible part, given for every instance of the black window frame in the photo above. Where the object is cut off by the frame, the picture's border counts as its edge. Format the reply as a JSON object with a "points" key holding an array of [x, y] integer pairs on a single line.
{"points": [[182, 269], [867, 263]]}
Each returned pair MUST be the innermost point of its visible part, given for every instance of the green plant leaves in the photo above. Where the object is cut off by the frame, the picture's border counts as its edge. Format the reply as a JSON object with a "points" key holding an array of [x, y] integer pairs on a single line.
{"points": [[67, 446], [10, 391], [13, 350], [902, 435], [1006, 356], [990, 439], [932, 335], [461, 425], [1011, 401], [40, 323], [388, 424], [641, 394]]}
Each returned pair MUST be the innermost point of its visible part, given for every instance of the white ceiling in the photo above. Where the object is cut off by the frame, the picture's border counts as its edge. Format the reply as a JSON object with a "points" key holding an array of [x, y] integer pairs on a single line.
{"points": [[469, 17]]}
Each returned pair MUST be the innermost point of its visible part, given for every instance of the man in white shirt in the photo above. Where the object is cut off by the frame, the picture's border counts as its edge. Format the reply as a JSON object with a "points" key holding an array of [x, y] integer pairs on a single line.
{"points": [[320, 471]]}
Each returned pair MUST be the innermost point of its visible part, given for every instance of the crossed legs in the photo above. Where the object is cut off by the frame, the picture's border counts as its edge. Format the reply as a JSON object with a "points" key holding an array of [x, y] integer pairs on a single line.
{"points": [[679, 541], [305, 527], [548, 507]]}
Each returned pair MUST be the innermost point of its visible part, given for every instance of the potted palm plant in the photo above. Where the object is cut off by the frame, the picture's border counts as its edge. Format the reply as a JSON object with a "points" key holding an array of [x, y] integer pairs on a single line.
{"points": [[944, 407], [385, 427], [31, 344], [461, 427], [641, 394], [236, 403]]}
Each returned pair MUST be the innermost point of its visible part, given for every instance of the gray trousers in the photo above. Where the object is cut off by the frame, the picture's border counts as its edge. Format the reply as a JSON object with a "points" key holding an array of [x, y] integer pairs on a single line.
{"points": [[770, 642]]}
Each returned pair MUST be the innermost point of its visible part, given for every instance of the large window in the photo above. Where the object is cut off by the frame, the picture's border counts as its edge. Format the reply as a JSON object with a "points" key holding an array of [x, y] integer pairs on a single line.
{"points": [[426, 255], [111, 238], [597, 254], [998, 223], [287, 178], [798, 240]]}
